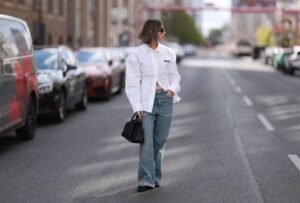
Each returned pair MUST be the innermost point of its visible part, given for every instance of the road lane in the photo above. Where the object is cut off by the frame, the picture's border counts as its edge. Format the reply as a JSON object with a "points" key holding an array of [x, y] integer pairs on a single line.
{"points": [[218, 150]]}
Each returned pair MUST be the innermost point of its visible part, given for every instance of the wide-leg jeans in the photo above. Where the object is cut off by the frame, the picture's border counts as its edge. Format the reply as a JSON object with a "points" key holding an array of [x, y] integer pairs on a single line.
{"points": [[156, 130]]}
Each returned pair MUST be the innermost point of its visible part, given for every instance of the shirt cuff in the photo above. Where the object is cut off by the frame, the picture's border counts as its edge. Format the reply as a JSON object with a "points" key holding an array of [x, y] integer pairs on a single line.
{"points": [[136, 107], [173, 89]]}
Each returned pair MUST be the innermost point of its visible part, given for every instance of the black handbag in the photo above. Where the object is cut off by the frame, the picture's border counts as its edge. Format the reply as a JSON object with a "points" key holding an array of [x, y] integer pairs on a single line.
{"points": [[133, 130]]}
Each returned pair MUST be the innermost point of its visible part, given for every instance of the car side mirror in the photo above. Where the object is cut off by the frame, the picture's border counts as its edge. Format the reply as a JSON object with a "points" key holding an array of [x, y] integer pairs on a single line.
{"points": [[68, 67], [71, 67]]}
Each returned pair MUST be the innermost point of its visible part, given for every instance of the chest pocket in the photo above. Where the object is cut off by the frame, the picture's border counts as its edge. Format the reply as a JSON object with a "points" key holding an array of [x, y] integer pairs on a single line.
{"points": [[166, 63]]}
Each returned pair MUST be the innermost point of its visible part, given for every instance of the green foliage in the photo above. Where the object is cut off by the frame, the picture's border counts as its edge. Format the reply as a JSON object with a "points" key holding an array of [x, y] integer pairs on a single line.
{"points": [[214, 36], [182, 26]]}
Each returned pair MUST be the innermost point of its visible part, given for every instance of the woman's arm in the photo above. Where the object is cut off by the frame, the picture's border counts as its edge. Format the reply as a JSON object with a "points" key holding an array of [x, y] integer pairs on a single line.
{"points": [[174, 76], [133, 82]]}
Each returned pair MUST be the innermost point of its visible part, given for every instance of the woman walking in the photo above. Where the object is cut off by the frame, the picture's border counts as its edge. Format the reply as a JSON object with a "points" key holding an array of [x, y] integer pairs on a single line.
{"points": [[152, 84]]}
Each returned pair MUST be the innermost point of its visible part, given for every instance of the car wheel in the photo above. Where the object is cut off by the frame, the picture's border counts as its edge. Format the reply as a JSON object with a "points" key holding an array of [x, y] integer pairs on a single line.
{"points": [[108, 93], [286, 67], [291, 71], [27, 131], [82, 105], [121, 85], [60, 108]]}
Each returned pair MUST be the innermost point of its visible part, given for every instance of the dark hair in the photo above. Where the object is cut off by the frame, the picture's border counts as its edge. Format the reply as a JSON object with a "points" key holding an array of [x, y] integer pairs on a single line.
{"points": [[150, 30]]}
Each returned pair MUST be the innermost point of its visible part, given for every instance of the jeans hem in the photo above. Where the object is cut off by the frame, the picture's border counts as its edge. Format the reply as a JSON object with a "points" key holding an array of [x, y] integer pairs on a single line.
{"points": [[144, 183]]}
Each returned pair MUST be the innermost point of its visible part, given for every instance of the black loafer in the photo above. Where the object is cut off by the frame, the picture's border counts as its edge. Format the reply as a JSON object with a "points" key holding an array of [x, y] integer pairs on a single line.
{"points": [[144, 188], [156, 184]]}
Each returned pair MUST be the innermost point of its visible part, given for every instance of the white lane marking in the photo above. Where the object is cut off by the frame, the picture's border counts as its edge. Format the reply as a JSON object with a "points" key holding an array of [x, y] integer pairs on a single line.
{"points": [[229, 78], [295, 159], [265, 122], [238, 89], [248, 101], [241, 149], [227, 75]]}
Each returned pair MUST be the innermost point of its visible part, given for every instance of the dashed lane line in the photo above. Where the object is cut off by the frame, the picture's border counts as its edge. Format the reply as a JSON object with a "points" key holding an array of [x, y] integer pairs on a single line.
{"points": [[238, 89], [265, 122], [229, 78], [295, 159], [247, 101]]}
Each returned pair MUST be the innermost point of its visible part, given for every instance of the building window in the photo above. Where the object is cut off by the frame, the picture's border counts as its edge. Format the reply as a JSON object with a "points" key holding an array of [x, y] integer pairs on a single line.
{"points": [[49, 40], [61, 7], [61, 40], [50, 6], [21, 1], [35, 5]]}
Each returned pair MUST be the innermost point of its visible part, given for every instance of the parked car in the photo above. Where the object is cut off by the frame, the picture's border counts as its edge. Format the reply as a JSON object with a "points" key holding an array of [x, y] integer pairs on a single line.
{"points": [[189, 49], [278, 58], [178, 50], [127, 50], [62, 83], [268, 54], [292, 62], [118, 57], [105, 77], [18, 82], [243, 48]]}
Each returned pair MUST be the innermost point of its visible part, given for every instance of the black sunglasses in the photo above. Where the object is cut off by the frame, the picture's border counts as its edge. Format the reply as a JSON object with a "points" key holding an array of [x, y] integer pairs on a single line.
{"points": [[162, 30]]}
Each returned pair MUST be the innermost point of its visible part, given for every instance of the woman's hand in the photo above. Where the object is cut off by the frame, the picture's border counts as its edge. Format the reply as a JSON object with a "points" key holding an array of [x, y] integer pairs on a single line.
{"points": [[139, 114], [170, 93]]}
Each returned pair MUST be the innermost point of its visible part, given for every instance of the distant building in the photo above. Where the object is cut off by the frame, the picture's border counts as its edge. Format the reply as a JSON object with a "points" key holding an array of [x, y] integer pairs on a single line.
{"points": [[244, 25], [47, 19], [102, 22], [197, 15]]}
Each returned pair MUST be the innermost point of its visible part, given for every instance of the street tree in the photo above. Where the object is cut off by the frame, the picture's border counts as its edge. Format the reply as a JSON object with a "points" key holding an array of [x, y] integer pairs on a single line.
{"points": [[182, 26]]}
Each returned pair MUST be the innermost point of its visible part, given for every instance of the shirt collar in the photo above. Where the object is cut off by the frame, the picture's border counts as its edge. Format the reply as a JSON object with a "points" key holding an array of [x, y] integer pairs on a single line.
{"points": [[146, 48]]}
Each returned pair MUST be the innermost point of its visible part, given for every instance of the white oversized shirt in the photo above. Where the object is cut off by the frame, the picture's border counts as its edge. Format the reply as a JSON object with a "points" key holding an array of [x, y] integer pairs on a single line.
{"points": [[144, 68]]}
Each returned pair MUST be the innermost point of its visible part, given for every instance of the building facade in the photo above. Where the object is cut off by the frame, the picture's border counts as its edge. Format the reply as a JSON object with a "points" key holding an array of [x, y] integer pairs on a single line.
{"points": [[102, 22], [244, 25], [47, 19]]}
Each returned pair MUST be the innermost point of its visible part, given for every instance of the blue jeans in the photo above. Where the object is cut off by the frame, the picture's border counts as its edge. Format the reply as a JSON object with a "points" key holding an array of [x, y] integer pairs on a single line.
{"points": [[156, 130]]}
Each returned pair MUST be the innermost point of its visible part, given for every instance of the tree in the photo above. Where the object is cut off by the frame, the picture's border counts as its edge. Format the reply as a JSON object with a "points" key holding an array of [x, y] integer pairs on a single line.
{"points": [[182, 26], [215, 36]]}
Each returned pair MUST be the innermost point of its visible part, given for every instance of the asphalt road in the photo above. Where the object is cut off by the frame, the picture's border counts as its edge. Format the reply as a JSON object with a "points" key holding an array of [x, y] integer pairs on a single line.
{"points": [[235, 137]]}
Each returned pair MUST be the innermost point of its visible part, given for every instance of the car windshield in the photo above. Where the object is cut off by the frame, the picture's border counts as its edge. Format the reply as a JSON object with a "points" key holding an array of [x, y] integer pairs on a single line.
{"points": [[46, 59], [90, 57]]}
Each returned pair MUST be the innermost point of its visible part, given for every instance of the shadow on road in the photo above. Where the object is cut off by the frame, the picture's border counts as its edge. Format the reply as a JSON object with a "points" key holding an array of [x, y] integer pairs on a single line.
{"points": [[9, 141]]}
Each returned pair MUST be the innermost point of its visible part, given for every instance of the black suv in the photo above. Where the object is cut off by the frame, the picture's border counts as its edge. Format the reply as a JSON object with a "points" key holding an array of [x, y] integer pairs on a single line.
{"points": [[62, 83]]}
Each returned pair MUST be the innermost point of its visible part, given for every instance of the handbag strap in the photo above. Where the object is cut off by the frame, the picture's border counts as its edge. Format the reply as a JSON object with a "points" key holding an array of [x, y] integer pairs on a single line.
{"points": [[136, 117]]}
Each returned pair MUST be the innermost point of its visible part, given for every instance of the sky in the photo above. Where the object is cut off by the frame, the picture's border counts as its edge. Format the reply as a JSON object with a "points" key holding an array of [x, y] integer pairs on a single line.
{"points": [[215, 19]]}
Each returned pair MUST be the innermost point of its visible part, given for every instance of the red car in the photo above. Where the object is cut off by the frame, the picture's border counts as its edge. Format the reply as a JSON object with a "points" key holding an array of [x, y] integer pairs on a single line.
{"points": [[18, 82], [104, 78]]}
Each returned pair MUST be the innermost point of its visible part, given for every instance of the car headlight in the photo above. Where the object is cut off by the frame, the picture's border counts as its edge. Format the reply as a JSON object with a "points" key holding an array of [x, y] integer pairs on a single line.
{"points": [[45, 88]]}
